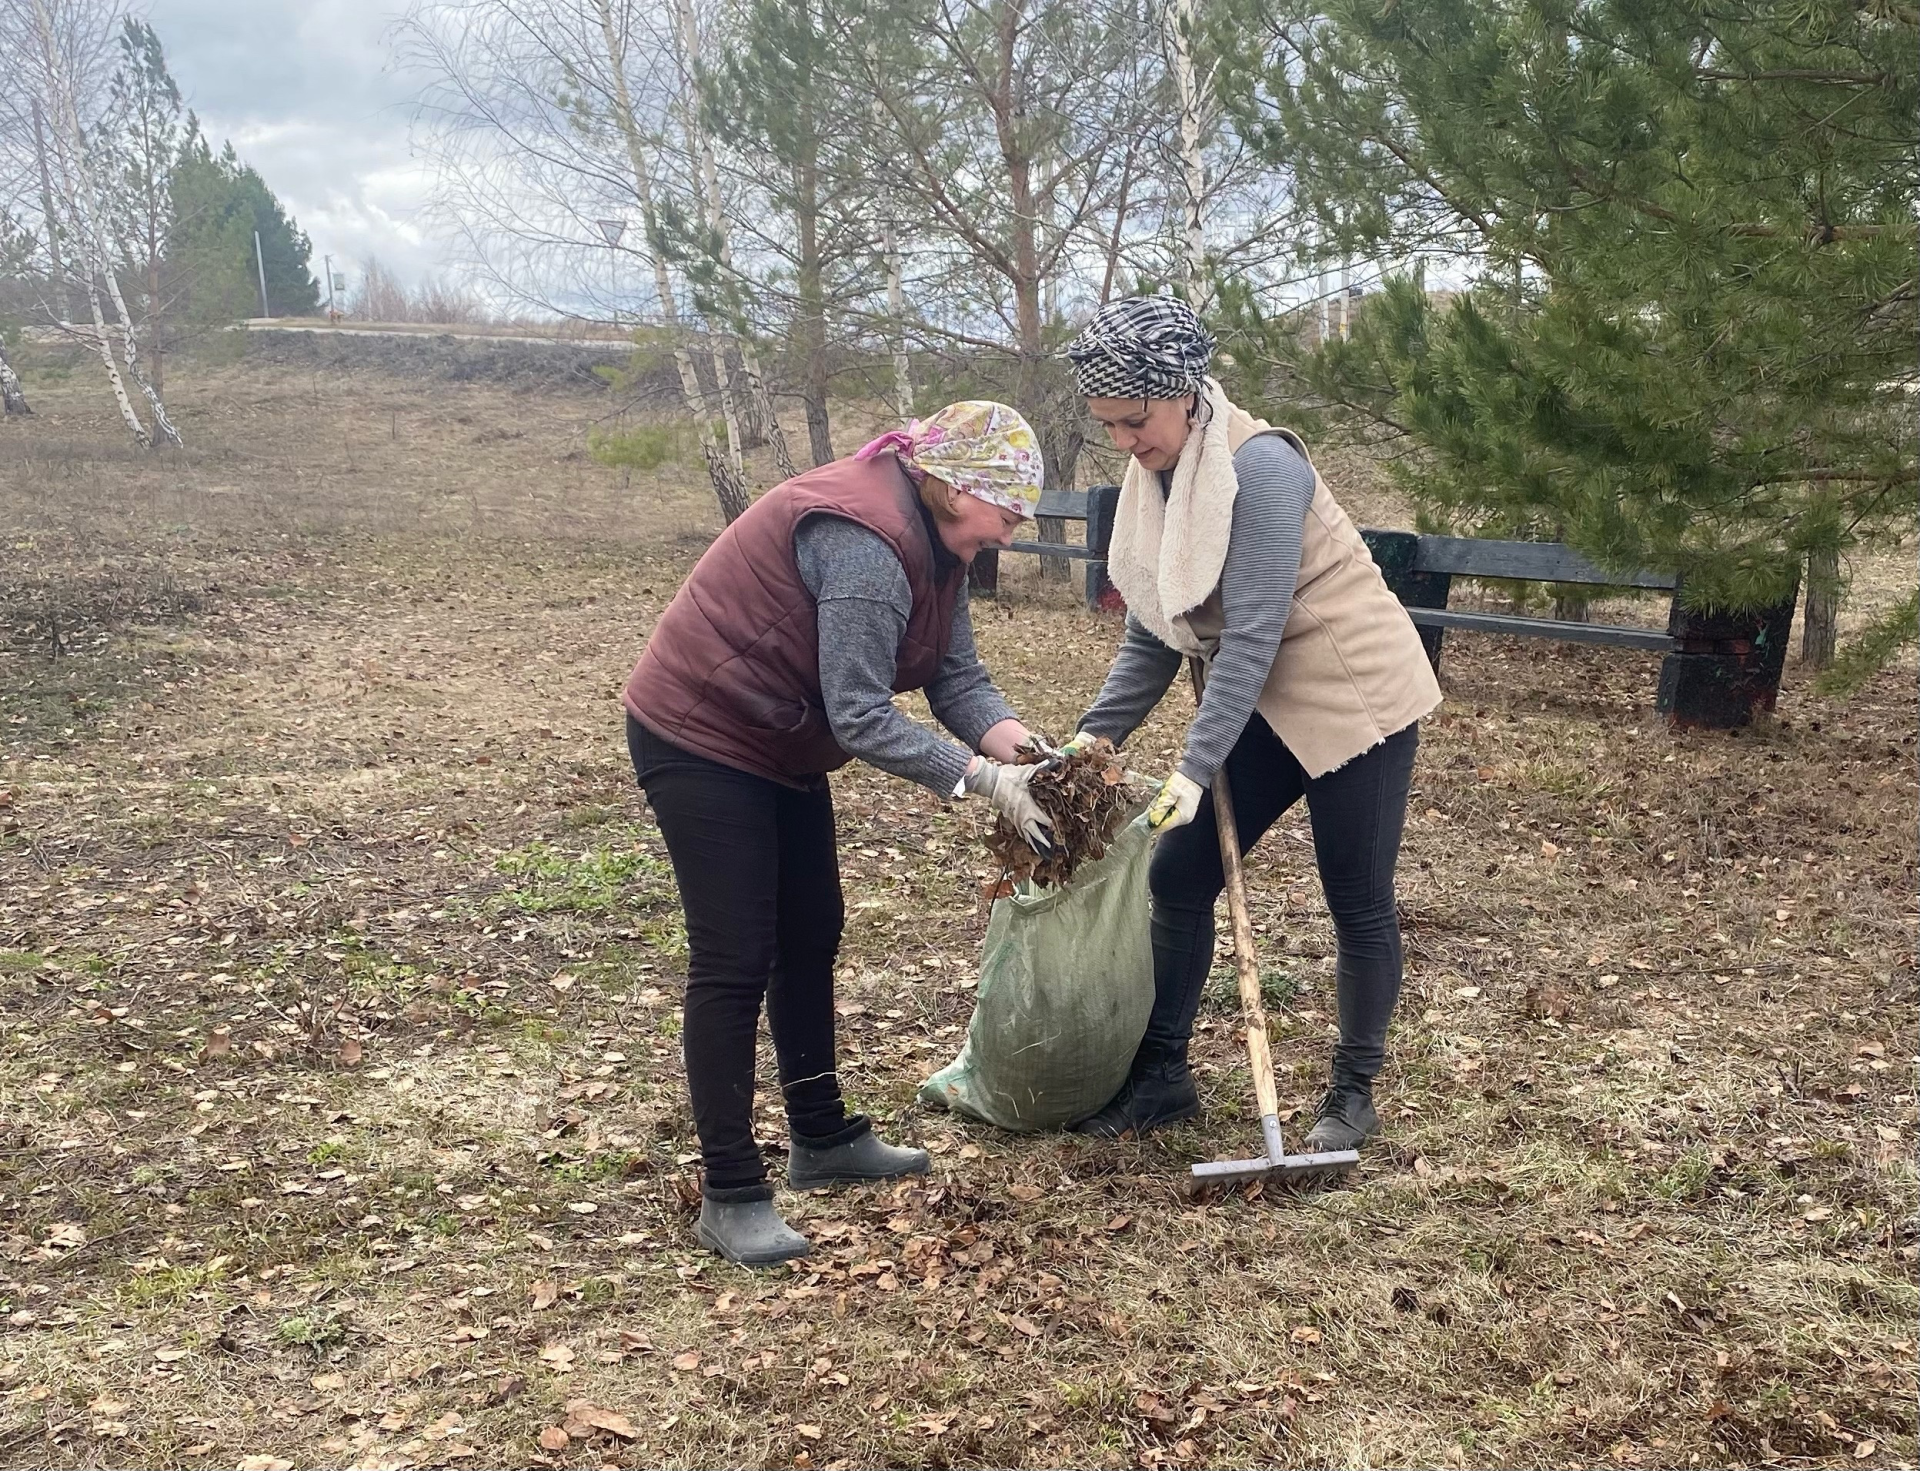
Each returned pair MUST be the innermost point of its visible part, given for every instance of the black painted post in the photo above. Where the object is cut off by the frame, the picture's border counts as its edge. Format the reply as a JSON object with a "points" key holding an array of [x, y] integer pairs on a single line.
{"points": [[1103, 501], [1725, 667], [1396, 553]]}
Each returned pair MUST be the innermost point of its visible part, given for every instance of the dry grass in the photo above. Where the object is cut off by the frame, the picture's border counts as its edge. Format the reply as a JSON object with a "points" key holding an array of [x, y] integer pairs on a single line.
{"points": [[339, 960]]}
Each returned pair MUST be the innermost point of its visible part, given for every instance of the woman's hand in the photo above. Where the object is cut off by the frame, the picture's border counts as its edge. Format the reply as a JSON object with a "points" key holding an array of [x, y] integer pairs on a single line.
{"points": [[1008, 789], [1003, 740], [1176, 805]]}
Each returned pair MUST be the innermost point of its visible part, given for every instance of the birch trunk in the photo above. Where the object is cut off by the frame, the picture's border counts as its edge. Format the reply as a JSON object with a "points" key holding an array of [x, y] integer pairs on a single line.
{"points": [[897, 309], [84, 202], [48, 213], [896, 289], [728, 487], [1193, 168], [12, 396], [717, 223]]}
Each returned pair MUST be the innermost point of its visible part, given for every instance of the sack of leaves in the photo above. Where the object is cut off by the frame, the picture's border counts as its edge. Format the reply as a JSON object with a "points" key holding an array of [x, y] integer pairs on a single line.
{"points": [[1066, 973]]}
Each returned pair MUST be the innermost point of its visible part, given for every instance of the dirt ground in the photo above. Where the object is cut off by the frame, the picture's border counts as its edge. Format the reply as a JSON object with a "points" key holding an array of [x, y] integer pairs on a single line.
{"points": [[341, 1117]]}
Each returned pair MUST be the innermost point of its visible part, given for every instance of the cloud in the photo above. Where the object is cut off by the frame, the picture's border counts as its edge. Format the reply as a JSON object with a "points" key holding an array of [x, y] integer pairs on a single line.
{"points": [[308, 95]]}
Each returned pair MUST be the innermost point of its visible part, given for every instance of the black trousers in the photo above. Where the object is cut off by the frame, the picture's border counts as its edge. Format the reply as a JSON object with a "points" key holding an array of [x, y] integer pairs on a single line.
{"points": [[759, 881], [1358, 813]]}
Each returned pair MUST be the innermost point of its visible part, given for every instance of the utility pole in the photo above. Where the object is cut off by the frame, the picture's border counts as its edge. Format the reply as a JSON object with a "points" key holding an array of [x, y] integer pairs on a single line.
{"points": [[260, 261], [329, 260]]}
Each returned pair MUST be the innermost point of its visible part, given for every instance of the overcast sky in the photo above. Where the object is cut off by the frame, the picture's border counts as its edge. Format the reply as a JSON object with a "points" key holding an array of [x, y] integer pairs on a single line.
{"points": [[307, 92]]}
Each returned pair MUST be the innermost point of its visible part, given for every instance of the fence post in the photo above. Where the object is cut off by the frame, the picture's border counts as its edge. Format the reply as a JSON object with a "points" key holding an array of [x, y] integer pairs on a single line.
{"points": [[1396, 553], [983, 576], [1725, 667], [1103, 502]]}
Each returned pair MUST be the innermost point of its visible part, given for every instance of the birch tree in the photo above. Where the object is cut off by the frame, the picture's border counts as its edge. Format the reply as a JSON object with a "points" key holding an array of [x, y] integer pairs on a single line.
{"points": [[13, 397], [57, 51], [544, 117], [693, 85]]}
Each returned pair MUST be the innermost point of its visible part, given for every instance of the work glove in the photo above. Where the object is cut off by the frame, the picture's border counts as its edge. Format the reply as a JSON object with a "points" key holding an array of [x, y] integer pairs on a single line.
{"points": [[1079, 743], [1008, 789], [1176, 805]]}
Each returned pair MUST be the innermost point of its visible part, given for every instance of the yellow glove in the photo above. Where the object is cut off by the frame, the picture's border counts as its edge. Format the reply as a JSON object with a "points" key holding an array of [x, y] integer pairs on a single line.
{"points": [[1079, 743], [1176, 805]]}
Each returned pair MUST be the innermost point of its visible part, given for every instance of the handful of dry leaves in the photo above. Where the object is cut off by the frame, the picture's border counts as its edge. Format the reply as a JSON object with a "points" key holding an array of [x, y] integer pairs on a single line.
{"points": [[1085, 798]]}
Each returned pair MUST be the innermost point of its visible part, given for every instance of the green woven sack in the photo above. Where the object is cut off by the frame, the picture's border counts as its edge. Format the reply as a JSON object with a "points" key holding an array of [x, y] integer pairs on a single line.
{"points": [[1066, 982]]}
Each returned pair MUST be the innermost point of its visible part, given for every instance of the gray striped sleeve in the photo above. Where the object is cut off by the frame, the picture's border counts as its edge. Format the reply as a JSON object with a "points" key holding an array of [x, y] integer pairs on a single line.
{"points": [[1256, 595], [864, 603], [1141, 672]]}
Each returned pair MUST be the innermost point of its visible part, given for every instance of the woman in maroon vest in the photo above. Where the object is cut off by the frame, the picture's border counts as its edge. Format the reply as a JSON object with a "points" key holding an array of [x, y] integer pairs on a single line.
{"points": [[775, 664]]}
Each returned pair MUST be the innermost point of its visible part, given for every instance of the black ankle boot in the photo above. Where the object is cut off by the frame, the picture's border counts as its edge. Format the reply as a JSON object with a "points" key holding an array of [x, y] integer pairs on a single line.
{"points": [[1159, 1091], [1345, 1118]]}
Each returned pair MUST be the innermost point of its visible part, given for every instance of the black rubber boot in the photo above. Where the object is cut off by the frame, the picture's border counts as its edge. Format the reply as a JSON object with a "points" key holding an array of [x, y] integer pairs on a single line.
{"points": [[748, 1232], [810, 1165], [1159, 1091], [1345, 1118]]}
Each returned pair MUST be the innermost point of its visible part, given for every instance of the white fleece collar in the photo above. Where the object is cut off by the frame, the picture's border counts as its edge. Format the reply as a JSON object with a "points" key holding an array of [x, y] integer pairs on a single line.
{"points": [[1167, 552]]}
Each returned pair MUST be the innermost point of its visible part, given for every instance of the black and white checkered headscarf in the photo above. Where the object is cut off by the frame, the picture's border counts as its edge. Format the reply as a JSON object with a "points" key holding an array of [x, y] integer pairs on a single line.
{"points": [[1142, 347]]}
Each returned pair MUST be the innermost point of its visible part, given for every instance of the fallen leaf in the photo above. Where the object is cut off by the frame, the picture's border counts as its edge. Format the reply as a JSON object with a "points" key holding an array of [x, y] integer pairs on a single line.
{"points": [[1864, 1449], [1819, 1213], [545, 1294], [219, 1042], [170, 1355], [108, 1407], [1024, 1325], [582, 1207], [1024, 1192], [328, 1383], [558, 1356], [809, 1432], [263, 1463], [687, 1362], [1304, 1334], [351, 1051], [553, 1438], [1119, 1223], [611, 1421], [445, 1426]]}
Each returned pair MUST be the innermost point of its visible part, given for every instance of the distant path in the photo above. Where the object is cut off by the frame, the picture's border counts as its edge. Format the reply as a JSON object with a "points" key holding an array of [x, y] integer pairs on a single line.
{"points": [[620, 343], [464, 334]]}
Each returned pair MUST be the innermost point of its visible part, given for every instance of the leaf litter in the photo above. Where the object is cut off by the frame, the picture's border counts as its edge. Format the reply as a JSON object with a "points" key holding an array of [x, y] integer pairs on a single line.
{"points": [[1085, 795]]}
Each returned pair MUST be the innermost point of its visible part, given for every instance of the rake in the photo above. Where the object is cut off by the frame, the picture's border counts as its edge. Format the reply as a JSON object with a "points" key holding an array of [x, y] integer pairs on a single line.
{"points": [[1293, 1170]]}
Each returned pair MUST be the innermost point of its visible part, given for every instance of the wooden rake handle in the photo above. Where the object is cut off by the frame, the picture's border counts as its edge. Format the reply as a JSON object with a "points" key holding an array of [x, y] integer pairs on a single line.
{"points": [[1253, 1013]]}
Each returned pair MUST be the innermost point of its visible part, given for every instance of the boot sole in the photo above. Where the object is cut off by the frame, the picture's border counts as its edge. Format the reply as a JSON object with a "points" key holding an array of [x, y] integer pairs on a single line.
{"points": [[713, 1243], [821, 1182]]}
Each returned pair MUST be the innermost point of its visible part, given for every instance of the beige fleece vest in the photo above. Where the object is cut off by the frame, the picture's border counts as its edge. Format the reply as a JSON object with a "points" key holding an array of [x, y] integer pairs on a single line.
{"points": [[1351, 670]]}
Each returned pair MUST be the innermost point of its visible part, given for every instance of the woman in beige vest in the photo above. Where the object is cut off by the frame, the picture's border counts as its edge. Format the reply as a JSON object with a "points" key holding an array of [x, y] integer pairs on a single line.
{"points": [[1228, 546]]}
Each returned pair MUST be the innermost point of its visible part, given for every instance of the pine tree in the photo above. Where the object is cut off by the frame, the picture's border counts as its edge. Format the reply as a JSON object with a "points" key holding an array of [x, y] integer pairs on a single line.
{"points": [[1689, 231], [218, 204], [776, 98]]}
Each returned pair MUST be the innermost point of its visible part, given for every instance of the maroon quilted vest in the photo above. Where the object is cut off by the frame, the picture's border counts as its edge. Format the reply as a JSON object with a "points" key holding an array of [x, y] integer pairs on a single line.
{"points": [[732, 670]]}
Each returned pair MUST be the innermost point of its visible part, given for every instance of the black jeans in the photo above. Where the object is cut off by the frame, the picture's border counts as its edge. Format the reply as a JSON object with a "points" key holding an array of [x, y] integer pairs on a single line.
{"points": [[759, 882], [1358, 812]]}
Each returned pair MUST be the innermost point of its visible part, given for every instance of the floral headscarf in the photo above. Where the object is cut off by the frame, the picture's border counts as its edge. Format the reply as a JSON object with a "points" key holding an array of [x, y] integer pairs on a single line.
{"points": [[983, 448]]}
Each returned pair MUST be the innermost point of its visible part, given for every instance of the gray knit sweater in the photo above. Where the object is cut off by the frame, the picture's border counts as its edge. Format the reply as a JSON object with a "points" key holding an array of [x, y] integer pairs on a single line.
{"points": [[1256, 595], [864, 604]]}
